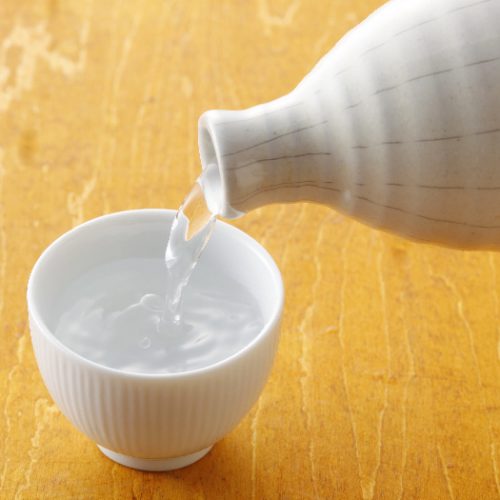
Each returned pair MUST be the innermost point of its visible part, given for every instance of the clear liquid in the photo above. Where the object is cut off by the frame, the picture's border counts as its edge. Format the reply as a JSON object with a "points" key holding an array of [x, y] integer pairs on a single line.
{"points": [[190, 232], [140, 315], [114, 315]]}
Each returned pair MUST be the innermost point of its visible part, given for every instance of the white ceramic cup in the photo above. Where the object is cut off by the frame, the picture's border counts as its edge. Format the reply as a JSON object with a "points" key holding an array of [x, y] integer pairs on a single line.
{"points": [[151, 421]]}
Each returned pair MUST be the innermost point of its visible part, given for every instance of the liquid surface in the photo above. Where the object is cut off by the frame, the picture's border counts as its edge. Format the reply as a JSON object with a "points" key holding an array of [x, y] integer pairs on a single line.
{"points": [[140, 315], [114, 315]]}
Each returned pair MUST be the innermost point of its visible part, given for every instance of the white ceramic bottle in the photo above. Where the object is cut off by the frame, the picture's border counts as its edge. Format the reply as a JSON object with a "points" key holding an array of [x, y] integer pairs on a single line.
{"points": [[397, 126]]}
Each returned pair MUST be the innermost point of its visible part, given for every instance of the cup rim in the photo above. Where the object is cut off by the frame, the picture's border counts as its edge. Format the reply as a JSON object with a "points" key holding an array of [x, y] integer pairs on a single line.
{"points": [[255, 247]]}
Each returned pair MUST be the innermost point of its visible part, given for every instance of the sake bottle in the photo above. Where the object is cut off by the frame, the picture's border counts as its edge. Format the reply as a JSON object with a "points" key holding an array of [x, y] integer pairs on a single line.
{"points": [[397, 126]]}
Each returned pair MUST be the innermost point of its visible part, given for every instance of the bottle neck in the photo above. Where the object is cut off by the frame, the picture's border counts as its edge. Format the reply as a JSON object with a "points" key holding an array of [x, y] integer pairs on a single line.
{"points": [[272, 153]]}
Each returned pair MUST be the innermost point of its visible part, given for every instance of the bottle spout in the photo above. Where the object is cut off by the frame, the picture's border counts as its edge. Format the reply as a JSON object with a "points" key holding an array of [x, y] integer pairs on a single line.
{"points": [[213, 179], [271, 153]]}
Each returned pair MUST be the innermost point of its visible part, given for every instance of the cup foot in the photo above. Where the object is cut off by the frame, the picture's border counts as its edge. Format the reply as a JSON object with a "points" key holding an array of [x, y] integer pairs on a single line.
{"points": [[155, 464]]}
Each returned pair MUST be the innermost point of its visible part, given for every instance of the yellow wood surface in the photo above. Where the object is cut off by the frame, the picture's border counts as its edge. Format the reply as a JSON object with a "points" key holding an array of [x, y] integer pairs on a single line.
{"points": [[387, 382]]}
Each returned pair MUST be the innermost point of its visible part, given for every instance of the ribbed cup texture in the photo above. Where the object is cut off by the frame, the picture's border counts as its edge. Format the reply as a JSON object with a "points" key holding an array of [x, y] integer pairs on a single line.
{"points": [[154, 416]]}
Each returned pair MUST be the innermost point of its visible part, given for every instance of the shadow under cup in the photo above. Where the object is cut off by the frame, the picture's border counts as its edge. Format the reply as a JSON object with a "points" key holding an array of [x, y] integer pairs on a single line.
{"points": [[152, 421]]}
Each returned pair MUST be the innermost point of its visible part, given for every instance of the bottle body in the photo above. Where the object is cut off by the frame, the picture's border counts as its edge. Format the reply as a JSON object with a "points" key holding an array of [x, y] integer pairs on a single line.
{"points": [[397, 126]]}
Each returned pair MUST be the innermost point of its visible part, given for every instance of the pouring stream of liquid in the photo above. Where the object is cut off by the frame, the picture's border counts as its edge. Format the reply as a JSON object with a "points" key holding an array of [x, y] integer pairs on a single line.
{"points": [[189, 235]]}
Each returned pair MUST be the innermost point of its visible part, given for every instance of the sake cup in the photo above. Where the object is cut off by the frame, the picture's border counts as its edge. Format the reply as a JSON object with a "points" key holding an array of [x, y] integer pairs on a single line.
{"points": [[152, 421]]}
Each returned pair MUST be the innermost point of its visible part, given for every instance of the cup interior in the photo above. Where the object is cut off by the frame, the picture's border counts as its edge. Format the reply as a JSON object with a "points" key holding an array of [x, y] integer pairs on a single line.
{"points": [[144, 234]]}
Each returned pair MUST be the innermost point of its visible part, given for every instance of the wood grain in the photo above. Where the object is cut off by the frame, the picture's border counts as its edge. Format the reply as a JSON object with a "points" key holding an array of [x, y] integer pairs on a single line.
{"points": [[387, 380]]}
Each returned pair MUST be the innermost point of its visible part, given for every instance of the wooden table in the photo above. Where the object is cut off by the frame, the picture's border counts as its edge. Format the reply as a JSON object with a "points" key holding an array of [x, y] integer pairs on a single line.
{"points": [[387, 379]]}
